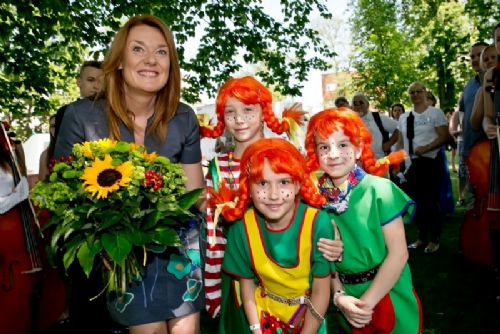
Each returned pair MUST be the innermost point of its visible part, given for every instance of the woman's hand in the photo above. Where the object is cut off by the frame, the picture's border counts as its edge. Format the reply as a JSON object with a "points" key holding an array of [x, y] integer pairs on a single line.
{"points": [[331, 249], [356, 311]]}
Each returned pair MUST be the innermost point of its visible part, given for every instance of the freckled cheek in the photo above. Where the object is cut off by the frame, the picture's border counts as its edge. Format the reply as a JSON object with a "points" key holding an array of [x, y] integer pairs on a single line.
{"points": [[261, 195], [287, 194], [249, 118], [347, 154]]}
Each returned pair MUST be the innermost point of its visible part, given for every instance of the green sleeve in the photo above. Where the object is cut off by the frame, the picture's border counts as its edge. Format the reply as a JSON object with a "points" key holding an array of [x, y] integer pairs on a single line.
{"points": [[392, 202], [237, 255], [323, 228]]}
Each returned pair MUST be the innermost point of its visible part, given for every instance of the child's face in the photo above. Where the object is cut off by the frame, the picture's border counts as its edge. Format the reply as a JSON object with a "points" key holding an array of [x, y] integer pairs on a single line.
{"points": [[243, 121], [337, 156], [274, 196]]}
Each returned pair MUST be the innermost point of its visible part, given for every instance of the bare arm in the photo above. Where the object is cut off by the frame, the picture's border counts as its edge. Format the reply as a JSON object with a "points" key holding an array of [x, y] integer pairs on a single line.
{"points": [[43, 170], [400, 145], [454, 124], [393, 140], [476, 118], [195, 180], [247, 289], [331, 248], [320, 299], [488, 122], [392, 266], [443, 137], [354, 309]]}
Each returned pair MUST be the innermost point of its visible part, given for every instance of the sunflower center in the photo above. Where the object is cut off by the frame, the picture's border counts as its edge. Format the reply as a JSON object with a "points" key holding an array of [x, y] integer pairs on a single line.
{"points": [[108, 177]]}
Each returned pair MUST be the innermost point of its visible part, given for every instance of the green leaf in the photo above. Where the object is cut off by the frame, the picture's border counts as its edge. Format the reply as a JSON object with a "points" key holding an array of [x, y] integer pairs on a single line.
{"points": [[86, 255], [53, 177], [110, 218], [122, 147], [60, 166], [189, 198], [140, 238], [156, 248], [152, 219], [117, 245], [116, 161], [71, 174], [71, 248], [166, 236]]}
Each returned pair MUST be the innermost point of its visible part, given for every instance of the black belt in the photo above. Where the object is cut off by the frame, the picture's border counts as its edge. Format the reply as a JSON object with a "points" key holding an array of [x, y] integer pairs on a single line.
{"points": [[357, 278]]}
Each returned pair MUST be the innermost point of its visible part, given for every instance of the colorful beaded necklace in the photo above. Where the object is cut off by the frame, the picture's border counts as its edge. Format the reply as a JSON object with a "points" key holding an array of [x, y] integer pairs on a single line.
{"points": [[230, 156], [338, 196]]}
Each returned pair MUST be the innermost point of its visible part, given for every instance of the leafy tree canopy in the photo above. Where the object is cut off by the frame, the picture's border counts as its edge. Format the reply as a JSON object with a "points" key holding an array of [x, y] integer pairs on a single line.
{"points": [[45, 41], [400, 41]]}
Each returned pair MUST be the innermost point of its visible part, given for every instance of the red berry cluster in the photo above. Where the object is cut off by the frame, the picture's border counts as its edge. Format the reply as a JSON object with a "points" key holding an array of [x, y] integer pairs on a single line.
{"points": [[153, 179]]}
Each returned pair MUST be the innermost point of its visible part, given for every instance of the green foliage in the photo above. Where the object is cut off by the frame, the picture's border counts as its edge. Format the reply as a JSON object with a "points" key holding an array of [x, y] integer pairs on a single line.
{"points": [[46, 41], [484, 14], [115, 200], [401, 41], [383, 53]]}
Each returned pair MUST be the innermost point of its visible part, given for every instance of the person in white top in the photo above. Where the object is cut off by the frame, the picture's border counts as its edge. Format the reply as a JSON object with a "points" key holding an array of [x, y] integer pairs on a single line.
{"points": [[423, 131], [383, 128], [10, 194]]}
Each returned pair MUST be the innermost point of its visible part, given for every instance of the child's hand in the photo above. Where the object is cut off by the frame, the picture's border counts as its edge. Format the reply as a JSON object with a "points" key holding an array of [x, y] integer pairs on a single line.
{"points": [[331, 249], [355, 310]]}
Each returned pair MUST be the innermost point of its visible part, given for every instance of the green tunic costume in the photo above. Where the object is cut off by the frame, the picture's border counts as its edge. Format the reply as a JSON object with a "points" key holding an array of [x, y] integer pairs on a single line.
{"points": [[281, 246], [372, 203]]}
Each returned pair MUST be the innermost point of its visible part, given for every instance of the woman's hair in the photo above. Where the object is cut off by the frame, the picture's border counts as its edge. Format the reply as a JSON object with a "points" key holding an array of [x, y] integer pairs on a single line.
{"points": [[6, 143], [282, 157], [328, 121], [52, 142], [397, 105], [167, 99], [431, 97], [249, 91]]}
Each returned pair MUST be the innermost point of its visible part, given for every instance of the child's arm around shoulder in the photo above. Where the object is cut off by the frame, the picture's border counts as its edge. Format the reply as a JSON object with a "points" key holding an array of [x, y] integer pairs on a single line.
{"points": [[322, 257], [331, 248]]}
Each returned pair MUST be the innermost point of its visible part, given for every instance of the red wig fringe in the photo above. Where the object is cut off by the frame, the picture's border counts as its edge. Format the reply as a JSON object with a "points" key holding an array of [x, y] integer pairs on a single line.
{"points": [[324, 123], [249, 91], [282, 157]]}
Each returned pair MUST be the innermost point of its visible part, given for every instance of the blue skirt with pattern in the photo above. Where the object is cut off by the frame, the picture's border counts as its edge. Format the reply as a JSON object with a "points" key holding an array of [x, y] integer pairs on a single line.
{"points": [[171, 285]]}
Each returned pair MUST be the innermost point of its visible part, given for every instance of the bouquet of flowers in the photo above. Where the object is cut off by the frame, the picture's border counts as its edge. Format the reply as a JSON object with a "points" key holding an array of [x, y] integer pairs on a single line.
{"points": [[115, 201]]}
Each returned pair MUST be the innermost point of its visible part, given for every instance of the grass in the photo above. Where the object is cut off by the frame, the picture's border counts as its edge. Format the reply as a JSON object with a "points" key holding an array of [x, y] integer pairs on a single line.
{"points": [[456, 295]]}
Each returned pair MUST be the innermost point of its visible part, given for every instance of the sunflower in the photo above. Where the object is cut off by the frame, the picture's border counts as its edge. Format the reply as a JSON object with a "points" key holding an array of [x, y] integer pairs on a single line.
{"points": [[103, 178]]}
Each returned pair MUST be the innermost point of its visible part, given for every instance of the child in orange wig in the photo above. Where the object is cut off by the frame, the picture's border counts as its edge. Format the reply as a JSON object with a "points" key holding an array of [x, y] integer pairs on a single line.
{"points": [[373, 287], [243, 105], [284, 279]]}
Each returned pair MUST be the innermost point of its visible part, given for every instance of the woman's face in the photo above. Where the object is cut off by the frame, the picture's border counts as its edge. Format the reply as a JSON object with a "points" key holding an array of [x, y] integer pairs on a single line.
{"points": [[488, 58], [337, 156], [243, 121], [396, 112], [417, 93], [146, 61]]}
